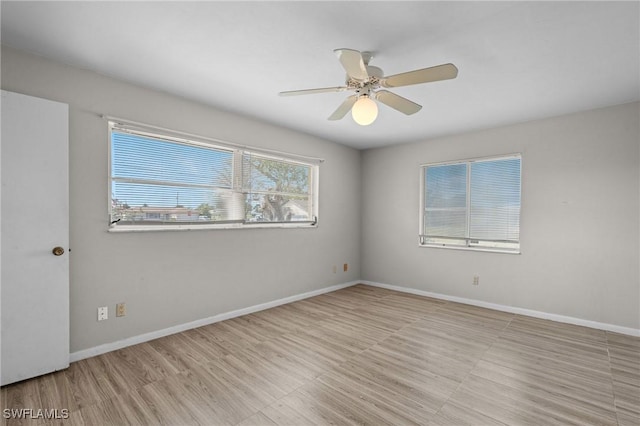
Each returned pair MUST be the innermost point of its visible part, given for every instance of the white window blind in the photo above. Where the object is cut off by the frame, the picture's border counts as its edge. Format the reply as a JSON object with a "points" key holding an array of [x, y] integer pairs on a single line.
{"points": [[474, 204], [446, 201], [495, 201], [162, 181]]}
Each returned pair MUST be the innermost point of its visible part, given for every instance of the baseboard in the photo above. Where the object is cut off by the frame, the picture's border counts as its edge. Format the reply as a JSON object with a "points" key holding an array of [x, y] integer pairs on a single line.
{"points": [[108, 347], [511, 309]]}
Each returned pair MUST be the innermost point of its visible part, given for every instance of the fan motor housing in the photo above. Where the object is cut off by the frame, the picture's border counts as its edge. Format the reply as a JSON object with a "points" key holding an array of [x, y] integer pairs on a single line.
{"points": [[374, 71], [375, 74]]}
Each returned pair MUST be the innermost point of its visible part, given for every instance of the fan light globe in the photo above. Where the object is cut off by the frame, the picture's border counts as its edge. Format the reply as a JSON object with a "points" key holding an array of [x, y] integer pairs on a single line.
{"points": [[364, 111]]}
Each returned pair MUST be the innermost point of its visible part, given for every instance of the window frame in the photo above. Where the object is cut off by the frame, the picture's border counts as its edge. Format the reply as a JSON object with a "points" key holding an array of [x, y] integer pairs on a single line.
{"points": [[468, 245], [238, 151]]}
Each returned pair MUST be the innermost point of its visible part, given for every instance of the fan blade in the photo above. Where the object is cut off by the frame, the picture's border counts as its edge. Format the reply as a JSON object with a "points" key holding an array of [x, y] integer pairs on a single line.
{"points": [[353, 63], [425, 75], [311, 91], [397, 102], [344, 108]]}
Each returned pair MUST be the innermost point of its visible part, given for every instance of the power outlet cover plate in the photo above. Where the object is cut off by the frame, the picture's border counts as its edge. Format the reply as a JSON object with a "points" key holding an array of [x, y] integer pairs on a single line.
{"points": [[103, 313]]}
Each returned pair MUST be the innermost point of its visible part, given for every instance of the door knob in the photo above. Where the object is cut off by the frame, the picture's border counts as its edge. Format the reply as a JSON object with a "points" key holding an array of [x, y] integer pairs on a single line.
{"points": [[57, 251]]}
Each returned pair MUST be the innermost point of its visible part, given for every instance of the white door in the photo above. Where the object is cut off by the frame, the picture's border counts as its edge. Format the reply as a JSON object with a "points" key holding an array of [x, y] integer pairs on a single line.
{"points": [[34, 219]]}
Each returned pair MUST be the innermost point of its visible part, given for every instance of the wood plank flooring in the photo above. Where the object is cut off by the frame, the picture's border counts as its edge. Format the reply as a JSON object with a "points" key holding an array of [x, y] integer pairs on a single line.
{"points": [[361, 355]]}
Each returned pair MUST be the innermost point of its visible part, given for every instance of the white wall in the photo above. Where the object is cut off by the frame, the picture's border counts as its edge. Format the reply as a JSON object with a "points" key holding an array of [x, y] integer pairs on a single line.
{"points": [[579, 223], [580, 216], [171, 278]]}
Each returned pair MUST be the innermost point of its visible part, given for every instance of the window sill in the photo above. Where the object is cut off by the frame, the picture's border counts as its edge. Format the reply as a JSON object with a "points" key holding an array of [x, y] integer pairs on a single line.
{"points": [[163, 228], [481, 249]]}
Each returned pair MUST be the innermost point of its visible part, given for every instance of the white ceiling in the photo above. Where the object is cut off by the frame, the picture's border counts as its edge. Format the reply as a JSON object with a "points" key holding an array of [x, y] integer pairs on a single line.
{"points": [[517, 61]]}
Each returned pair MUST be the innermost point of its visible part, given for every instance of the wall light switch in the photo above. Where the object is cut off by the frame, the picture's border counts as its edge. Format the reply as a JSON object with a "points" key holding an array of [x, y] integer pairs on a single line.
{"points": [[121, 309]]}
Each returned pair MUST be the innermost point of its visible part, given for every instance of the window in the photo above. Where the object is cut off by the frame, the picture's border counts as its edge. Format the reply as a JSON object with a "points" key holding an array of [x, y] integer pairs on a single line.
{"points": [[167, 182], [276, 190], [472, 204]]}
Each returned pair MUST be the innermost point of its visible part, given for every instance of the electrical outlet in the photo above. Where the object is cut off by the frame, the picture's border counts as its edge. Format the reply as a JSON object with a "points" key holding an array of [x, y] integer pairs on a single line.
{"points": [[103, 313], [121, 309], [335, 269], [345, 268], [476, 280]]}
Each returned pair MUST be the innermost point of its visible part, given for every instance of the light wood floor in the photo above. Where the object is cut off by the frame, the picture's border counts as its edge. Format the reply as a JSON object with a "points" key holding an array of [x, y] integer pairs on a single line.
{"points": [[362, 355]]}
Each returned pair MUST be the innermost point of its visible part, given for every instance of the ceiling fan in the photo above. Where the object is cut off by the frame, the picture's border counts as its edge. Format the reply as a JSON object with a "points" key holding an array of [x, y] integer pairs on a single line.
{"points": [[366, 80]]}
